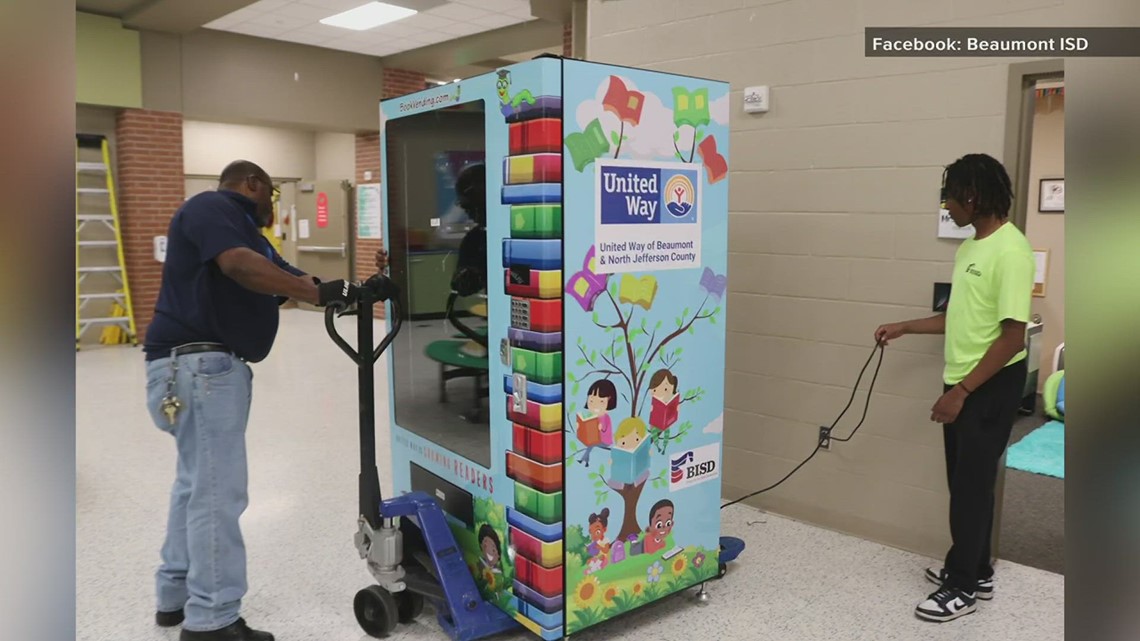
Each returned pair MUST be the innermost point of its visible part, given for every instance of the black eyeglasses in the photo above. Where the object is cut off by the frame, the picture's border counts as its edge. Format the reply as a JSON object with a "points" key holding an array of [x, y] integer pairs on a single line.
{"points": [[272, 190]]}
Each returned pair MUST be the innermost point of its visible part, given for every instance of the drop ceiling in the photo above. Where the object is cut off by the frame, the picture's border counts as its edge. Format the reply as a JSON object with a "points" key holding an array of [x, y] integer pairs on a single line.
{"points": [[438, 21]]}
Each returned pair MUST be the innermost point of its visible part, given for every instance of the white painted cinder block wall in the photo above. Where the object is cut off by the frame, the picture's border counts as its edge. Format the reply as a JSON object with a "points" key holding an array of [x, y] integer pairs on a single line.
{"points": [[833, 204]]}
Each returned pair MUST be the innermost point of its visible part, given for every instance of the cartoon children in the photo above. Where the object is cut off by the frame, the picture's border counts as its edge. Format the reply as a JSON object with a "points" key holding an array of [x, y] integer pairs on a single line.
{"points": [[663, 387], [660, 526], [490, 548], [630, 433], [601, 398], [598, 525]]}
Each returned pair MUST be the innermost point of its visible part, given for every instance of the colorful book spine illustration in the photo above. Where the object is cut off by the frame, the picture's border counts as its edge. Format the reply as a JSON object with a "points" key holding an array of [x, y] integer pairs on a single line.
{"points": [[544, 254], [534, 283], [538, 341], [545, 394], [536, 315], [536, 136], [536, 220], [532, 193], [532, 264], [532, 168]]}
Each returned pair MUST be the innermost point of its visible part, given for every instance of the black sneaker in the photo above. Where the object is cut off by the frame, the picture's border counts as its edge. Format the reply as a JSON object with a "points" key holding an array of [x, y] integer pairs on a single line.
{"points": [[168, 619], [236, 631], [946, 604], [984, 591]]}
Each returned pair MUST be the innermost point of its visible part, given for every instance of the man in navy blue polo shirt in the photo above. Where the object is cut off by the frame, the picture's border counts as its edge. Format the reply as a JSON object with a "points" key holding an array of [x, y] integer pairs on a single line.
{"points": [[217, 310]]}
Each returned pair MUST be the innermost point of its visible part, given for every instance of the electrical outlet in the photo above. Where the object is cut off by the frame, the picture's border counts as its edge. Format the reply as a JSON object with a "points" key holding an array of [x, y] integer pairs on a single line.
{"points": [[824, 438]]}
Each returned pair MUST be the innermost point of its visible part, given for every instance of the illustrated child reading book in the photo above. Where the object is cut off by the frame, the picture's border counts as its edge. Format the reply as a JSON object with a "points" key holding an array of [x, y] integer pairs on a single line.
{"points": [[490, 549], [629, 456], [599, 523], [663, 387], [594, 425], [660, 526]]}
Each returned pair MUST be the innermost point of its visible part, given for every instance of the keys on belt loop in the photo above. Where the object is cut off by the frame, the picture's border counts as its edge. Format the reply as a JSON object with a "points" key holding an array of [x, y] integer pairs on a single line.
{"points": [[170, 404]]}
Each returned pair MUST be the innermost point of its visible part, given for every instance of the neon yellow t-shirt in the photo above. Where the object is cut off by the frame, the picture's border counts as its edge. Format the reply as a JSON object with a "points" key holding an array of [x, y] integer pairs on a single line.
{"points": [[992, 282]]}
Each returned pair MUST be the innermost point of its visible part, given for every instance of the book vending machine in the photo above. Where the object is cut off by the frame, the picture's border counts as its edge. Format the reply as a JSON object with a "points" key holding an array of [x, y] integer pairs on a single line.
{"points": [[558, 229]]}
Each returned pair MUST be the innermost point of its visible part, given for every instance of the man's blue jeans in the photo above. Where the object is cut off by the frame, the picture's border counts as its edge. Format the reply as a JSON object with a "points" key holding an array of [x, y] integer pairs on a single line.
{"points": [[203, 557]]}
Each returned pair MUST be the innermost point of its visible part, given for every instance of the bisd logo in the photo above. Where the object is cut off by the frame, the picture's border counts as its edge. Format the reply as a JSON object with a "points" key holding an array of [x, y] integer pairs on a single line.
{"points": [[694, 467], [678, 465], [679, 195]]}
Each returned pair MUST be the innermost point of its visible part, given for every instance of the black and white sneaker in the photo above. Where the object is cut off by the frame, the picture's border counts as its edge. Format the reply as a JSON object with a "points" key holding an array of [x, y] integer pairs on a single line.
{"points": [[946, 604], [984, 591]]}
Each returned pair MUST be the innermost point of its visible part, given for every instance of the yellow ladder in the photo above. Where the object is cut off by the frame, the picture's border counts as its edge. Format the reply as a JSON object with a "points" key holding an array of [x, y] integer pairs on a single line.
{"points": [[102, 291]]}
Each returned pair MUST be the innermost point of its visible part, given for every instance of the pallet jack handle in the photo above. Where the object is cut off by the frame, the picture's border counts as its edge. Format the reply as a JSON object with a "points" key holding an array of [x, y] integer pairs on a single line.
{"points": [[377, 289]]}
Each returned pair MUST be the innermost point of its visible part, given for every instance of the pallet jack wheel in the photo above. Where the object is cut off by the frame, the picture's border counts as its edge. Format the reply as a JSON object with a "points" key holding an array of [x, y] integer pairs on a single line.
{"points": [[376, 611], [410, 605]]}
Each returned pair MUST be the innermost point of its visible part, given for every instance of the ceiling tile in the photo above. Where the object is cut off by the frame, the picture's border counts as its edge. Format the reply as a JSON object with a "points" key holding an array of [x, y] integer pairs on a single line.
{"points": [[522, 11], [230, 19], [306, 12], [317, 28], [426, 21], [432, 37], [256, 28], [280, 23], [302, 36], [461, 28], [262, 6], [399, 29], [334, 6], [497, 5], [496, 20], [461, 12]]}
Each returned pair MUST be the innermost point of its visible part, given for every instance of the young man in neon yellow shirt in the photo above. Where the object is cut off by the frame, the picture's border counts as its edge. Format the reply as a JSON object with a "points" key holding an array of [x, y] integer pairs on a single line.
{"points": [[984, 376]]}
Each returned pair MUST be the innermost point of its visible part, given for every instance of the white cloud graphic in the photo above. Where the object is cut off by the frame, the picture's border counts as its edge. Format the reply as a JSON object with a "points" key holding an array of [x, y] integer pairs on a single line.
{"points": [[715, 426], [652, 138], [718, 110]]}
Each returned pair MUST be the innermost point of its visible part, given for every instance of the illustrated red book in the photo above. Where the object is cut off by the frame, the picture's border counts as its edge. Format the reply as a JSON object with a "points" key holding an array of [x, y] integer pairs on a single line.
{"points": [[715, 164], [664, 414]]}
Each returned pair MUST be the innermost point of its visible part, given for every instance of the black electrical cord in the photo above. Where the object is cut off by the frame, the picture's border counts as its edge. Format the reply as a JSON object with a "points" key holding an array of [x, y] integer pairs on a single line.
{"points": [[854, 390]]}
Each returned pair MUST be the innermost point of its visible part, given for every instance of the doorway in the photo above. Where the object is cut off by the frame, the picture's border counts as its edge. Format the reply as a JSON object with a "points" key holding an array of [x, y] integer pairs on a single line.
{"points": [[1030, 508]]}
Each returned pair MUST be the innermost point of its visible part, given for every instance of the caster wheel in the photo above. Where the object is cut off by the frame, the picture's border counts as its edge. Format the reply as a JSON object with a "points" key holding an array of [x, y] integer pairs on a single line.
{"points": [[376, 611], [722, 570], [410, 605]]}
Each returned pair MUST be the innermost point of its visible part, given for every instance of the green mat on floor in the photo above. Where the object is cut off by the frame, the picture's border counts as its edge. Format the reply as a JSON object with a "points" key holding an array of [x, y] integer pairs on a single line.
{"points": [[1042, 451]]}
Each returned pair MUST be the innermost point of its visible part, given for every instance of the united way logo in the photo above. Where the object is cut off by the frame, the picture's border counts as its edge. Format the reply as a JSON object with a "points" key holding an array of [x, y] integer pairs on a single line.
{"points": [[679, 196], [678, 467]]}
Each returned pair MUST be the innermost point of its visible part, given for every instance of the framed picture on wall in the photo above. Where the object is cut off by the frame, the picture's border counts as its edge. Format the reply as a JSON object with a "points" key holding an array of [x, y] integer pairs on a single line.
{"points": [[1052, 197]]}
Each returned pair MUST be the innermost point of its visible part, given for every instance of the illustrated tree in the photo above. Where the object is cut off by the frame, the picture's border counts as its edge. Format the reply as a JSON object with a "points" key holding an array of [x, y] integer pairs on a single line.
{"points": [[636, 344]]}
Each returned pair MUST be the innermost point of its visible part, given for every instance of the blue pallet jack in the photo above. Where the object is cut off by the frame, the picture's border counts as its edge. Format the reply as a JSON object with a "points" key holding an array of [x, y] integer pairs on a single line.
{"points": [[406, 540]]}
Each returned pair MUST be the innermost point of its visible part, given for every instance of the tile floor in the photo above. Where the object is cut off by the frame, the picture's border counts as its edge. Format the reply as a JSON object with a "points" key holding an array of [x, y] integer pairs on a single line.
{"points": [[794, 582]]}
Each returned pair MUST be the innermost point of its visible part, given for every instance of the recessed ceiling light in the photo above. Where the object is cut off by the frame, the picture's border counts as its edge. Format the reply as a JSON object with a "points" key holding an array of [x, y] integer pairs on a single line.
{"points": [[456, 80], [440, 82], [368, 16]]}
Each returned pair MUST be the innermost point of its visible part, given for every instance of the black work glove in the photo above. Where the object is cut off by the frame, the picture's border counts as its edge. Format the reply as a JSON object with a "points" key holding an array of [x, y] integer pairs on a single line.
{"points": [[337, 293]]}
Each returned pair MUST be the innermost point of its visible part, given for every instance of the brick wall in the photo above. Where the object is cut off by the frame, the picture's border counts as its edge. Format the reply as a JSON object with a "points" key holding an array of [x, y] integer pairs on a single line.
{"points": [[150, 189], [398, 82], [367, 159], [568, 40]]}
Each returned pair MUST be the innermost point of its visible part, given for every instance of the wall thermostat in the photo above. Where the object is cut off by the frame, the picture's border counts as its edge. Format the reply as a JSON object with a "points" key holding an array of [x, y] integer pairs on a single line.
{"points": [[756, 99]]}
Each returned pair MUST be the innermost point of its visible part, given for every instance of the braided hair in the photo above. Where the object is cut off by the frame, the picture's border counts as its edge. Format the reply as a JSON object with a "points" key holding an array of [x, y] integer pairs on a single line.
{"points": [[981, 178]]}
